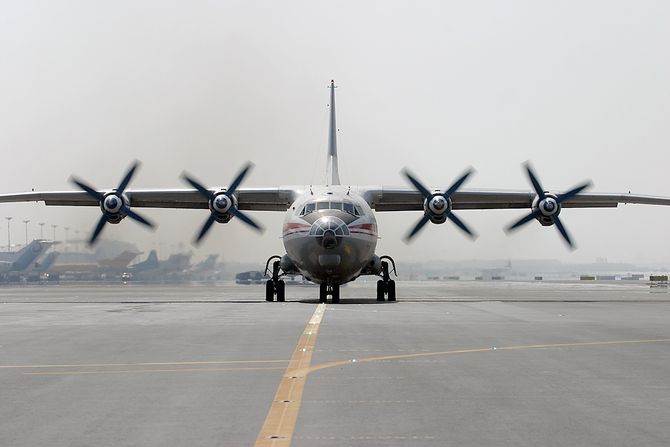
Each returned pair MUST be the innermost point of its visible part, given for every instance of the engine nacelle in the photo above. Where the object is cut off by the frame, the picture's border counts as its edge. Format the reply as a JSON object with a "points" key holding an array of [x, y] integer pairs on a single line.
{"points": [[220, 206], [112, 206], [547, 209], [437, 208], [288, 266]]}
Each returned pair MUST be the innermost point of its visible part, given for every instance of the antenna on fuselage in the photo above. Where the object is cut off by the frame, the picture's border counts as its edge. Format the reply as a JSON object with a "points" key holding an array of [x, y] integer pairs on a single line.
{"points": [[333, 176]]}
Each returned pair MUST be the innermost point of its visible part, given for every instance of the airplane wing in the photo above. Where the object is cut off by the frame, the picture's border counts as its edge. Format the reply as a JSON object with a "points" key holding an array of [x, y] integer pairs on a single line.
{"points": [[408, 199], [253, 199]]}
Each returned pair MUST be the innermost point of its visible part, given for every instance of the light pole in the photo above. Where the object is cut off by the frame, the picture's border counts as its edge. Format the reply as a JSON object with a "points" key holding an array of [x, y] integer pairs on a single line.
{"points": [[54, 227], [27, 221], [67, 229], [41, 224], [76, 237], [9, 242]]}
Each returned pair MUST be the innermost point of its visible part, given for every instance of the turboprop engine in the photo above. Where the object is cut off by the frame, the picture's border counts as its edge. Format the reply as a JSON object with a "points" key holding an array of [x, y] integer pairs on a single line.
{"points": [[437, 206], [547, 206], [222, 203], [114, 204]]}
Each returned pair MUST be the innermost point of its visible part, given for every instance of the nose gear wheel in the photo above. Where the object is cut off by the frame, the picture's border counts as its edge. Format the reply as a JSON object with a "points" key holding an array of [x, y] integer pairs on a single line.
{"points": [[326, 289]]}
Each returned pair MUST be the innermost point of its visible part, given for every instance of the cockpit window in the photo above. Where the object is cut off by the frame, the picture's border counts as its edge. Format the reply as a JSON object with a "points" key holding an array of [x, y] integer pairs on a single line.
{"points": [[309, 208], [347, 207]]}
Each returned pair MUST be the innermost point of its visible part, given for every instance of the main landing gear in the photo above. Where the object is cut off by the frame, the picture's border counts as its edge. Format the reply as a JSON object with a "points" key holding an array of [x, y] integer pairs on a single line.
{"points": [[275, 286], [329, 289], [386, 286]]}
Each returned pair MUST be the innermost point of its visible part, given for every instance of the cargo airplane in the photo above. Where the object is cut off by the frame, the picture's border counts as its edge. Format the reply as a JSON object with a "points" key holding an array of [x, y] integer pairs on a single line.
{"points": [[330, 231]]}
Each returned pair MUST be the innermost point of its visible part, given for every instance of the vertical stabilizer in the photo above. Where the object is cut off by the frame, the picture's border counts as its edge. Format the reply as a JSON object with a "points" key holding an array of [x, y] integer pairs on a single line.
{"points": [[333, 175], [29, 253]]}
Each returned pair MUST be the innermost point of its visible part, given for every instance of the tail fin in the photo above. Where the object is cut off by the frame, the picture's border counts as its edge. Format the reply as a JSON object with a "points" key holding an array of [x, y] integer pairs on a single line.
{"points": [[331, 168], [29, 253], [153, 257], [46, 264]]}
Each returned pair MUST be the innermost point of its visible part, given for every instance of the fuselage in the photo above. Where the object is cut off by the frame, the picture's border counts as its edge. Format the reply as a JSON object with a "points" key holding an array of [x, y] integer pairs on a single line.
{"points": [[330, 234]]}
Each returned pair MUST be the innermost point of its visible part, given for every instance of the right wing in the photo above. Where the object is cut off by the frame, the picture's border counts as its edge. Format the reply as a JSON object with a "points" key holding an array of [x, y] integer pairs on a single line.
{"points": [[255, 199]]}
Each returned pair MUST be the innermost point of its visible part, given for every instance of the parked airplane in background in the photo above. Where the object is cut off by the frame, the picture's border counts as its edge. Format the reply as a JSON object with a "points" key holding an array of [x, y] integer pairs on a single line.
{"points": [[207, 264], [24, 258], [73, 262], [175, 268], [118, 263], [330, 231], [43, 265], [151, 263]]}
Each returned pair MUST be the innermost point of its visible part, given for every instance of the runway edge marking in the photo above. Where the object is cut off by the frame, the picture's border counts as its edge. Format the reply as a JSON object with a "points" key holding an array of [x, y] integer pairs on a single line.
{"points": [[277, 430]]}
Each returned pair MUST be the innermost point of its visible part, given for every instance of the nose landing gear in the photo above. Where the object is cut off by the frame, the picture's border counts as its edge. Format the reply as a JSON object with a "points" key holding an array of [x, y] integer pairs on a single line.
{"points": [[329, 289], [386, 286]]}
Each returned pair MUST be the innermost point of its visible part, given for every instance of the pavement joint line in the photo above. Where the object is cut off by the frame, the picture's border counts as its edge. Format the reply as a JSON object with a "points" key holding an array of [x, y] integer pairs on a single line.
{"points": [[129, 371], [279, 425], [101, 365]]}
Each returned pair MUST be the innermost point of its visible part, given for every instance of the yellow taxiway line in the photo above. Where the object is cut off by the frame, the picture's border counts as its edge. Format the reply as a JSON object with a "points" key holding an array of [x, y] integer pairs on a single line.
{"points": [[277, 431]]}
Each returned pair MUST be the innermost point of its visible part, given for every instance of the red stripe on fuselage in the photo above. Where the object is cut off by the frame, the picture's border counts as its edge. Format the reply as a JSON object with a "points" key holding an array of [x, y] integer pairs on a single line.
{"points": [[367, 226]]}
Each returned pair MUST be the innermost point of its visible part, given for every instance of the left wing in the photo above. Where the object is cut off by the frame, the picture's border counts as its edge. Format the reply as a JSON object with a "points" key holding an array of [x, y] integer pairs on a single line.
{"points": [[408, 199], [544, 206]]}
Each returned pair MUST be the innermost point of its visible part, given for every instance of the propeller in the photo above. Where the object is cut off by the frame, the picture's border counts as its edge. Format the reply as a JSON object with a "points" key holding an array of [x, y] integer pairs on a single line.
{"points": [[438, 206], [222, 205], [547, 206], [114, 204]]}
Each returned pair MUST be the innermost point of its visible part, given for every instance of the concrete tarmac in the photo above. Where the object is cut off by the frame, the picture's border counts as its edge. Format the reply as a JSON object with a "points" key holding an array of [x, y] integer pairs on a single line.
{"points": [[451, 363]]}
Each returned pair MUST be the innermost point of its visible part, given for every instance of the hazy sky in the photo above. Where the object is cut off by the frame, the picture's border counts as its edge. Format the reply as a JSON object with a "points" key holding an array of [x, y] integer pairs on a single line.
{"points": [[580, 88]]}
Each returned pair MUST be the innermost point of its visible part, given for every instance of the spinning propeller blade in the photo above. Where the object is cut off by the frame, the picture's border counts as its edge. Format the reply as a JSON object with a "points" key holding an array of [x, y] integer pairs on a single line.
{"points": [[446, 195]]}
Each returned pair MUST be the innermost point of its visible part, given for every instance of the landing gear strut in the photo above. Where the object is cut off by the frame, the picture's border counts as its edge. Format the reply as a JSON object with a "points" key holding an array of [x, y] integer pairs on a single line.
{"points": [[275, 286], [386, 286], [329, 289]]}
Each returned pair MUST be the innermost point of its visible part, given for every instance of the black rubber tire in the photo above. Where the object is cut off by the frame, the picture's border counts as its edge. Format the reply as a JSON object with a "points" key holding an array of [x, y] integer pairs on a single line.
{"points": [[336, 293], [323, 293], [269, 291], [281, 291], [391, 290], [381, 289]]}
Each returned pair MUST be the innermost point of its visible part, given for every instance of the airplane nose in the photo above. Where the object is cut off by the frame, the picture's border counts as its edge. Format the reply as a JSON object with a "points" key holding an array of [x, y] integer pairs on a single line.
{"points": [[329, 239], [328, 231]]}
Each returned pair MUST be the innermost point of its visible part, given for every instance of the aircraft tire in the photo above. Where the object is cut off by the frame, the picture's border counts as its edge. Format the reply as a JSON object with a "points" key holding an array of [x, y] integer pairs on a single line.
{"points": [[281, 291], [391, 290], [336, 293], [380, 290], [269, 291]]}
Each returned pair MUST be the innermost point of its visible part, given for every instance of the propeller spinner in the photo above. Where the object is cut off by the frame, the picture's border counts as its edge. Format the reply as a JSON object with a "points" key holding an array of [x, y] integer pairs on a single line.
{"points": [[437, 206], [223, 204], [547, 206], [114, 204]]}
